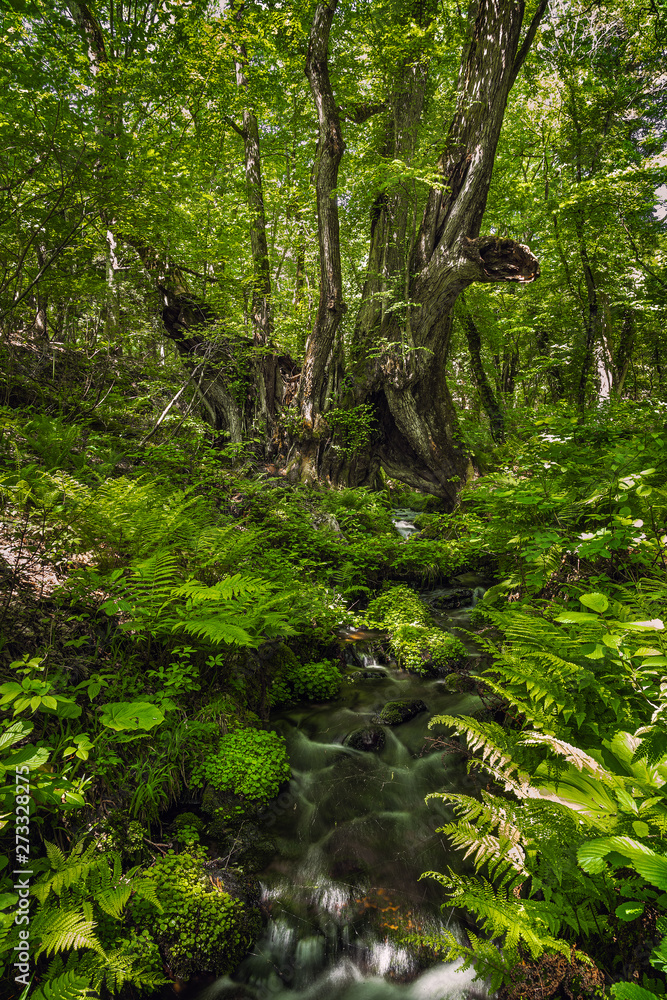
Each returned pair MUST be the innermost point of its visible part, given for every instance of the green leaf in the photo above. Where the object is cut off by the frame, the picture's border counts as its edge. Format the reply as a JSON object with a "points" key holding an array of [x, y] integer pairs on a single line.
{"points": [[630, 991], [629, 911], [16, 731], [31, 757], [122, 715], [573, 617], [598, 602]]}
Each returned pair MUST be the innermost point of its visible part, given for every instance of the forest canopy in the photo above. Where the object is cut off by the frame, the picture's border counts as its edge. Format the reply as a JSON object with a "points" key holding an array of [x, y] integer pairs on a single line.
{"points": [[296, 199]]}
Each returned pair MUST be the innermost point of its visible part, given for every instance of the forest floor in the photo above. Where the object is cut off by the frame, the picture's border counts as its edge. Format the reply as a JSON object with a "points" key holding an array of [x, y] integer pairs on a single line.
{"points": [[161, 599]]}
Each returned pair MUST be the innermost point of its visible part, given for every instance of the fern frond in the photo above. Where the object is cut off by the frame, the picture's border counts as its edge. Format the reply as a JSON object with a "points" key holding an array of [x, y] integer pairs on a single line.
{"points": [[56, 857], [475, 831], [109, 897], [573, 755], [69, 985], [109, 973], [58, 930], [494, 747], [237, 585], [499, 914]]}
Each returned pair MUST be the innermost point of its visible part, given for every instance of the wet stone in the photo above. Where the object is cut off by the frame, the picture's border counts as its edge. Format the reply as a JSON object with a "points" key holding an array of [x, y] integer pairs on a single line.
{"points": [[370, 739], [367, 675], [396, 712], [470, 580], [456, 597]]}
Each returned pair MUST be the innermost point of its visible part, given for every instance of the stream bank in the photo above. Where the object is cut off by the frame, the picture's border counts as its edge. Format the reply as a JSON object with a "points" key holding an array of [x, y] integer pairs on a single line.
{"points": [[353, 835]]}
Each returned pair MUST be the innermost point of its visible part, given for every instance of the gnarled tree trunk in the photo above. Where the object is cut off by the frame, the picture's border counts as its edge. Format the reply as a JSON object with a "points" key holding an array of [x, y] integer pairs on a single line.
{"points": [[404, 324]]}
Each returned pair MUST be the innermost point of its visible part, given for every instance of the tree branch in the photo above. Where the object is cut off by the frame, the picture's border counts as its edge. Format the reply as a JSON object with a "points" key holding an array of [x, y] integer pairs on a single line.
{"points": [[528, 40], [360, 113], [232, 124]]}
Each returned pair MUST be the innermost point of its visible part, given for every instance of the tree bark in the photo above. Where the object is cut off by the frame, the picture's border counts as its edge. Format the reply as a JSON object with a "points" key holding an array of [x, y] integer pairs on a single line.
{"points": [[491, 406], [268, 381], [404, 324], [591, 317], [320, 363], [623, 352]]}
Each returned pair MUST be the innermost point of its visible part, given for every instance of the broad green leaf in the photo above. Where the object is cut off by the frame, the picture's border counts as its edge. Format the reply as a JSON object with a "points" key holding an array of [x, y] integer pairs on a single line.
{"points": [[629, 911], [598, 602], [630, 991], [122, 715], [16, 731], [31, 757]]}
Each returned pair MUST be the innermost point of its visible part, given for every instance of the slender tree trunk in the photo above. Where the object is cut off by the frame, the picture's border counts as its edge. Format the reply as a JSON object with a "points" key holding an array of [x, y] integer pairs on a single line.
{"points": [[268, 382], [591, 319], [112, 300], [624, 350], [491, 406], [554, 373], [509, 370], [40, 323]]}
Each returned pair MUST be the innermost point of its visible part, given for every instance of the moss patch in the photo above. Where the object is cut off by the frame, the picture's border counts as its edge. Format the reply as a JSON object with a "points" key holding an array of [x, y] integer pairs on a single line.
{"points": [[418, 644]]}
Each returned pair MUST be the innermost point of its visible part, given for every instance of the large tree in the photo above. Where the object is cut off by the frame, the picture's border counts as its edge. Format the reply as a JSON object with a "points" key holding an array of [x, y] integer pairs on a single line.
{"points": [[424, 245], [404, 324]]}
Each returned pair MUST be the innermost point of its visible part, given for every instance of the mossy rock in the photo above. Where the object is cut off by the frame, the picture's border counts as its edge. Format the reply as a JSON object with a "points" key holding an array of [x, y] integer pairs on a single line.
{"points": [[370, 739], [297, 681], [396, 712], [202, 927], [415, 640], [454, 597]]}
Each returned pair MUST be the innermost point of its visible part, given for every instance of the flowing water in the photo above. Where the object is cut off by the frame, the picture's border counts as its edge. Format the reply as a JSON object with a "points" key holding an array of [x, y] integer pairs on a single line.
{"points": [[404, 521], [353, 835]]}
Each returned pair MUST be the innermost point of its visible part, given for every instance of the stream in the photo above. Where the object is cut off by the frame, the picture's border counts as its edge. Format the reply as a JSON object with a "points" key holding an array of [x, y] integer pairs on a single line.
{"points": [[353, 835]]}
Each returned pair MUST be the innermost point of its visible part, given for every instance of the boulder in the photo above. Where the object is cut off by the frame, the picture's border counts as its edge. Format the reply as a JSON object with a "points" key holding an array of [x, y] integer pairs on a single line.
{"points": [[454, 597], [370, 739], [396, 712], [367, 675]]}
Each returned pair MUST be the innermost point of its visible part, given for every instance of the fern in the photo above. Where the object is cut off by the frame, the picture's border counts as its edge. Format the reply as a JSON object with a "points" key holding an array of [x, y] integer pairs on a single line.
{"points": [[59, 929], [474, 832], [237, 611], [493, 748], [68, 985], [500, 915]]}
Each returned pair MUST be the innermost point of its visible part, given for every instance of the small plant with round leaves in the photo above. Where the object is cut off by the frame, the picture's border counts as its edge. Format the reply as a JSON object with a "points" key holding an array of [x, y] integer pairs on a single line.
{"points": [[200, 927], [251, 763]]}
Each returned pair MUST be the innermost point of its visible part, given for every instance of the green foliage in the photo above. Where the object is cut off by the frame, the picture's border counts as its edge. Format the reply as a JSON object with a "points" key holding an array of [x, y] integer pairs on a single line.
{"points": [[198, 926], [295, 681], [78, 896], [418, 645], [352, 428], [248, 762], [582, 806]]}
